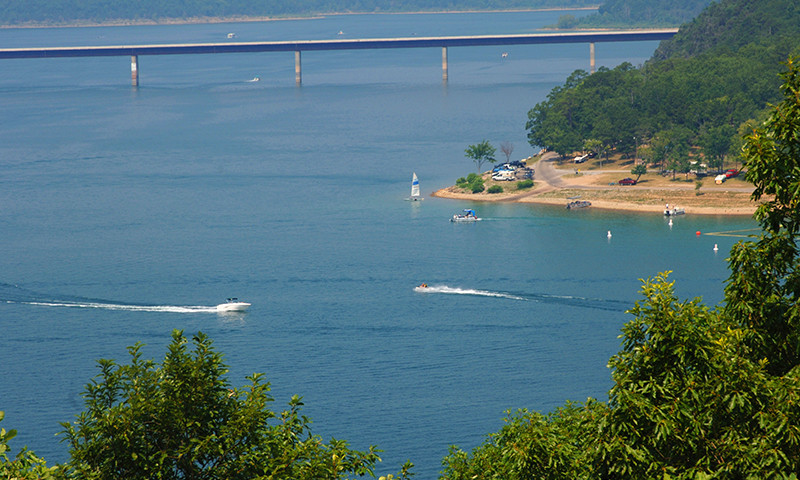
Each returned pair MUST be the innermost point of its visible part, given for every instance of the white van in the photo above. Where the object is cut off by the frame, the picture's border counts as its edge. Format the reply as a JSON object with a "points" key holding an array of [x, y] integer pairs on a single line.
{"points": [[504, 176]]}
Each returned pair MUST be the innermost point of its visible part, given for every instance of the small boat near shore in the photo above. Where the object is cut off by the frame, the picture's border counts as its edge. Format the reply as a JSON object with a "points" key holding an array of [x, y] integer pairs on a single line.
{"points": [[468, 216], [671, 212], [232, 305], [578, 204], [414, 189]]}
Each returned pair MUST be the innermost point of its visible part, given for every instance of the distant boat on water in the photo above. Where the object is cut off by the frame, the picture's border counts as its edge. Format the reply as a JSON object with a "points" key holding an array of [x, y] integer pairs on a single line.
{"points": [[468, 216], [414, 189], [233, 305]]}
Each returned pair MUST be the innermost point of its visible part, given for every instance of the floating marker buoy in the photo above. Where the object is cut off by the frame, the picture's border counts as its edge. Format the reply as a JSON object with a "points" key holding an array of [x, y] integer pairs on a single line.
{"points": [[715, 247], [609, 234], [697, 232]]}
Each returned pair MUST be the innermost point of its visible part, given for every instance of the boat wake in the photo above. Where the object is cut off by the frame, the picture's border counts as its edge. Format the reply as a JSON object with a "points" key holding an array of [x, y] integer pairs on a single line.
{"points": [[129, 308], [465, 291], [13, 294], [569, 300]]}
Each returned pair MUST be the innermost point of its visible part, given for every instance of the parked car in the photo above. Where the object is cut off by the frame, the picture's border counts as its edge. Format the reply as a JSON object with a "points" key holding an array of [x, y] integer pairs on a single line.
{"points": [[582, 158], [720, 179], [731, 172], [627, 181]]}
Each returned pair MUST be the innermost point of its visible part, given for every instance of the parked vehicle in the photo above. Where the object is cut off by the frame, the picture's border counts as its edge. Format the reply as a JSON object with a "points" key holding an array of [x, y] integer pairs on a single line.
{"points": [[719, 179], [581, 158], [504, 176], [731, 172], [627, 181]]}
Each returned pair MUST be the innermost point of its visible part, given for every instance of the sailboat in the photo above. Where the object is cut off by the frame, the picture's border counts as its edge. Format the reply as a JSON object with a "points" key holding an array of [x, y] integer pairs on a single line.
{"points": [[414, 189]]}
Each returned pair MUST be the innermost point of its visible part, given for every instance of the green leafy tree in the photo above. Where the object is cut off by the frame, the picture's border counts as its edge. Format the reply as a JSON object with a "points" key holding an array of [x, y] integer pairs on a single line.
{"points": [[182, 419], [25, 465], [639, 170], [698, 393], [481, 153], [715, 143], [764, 291]]}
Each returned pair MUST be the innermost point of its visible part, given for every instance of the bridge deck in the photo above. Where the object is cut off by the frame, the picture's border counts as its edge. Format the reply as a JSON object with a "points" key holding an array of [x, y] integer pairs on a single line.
{"points": [[354, 44]]}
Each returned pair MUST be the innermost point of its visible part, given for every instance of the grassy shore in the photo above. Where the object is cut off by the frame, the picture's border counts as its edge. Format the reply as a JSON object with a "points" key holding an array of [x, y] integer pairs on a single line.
{"points": [[596, 181]]}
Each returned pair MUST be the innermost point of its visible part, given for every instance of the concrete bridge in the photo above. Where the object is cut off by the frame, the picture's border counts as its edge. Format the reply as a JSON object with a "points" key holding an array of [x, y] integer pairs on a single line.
{"points": [[298, 46]]}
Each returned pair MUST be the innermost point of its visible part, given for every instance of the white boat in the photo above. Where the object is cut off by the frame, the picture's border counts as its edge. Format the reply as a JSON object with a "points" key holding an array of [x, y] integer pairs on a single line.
{"points": [[255, 79], [232, 305], [671, 212], [414, 189], [467, 216]]}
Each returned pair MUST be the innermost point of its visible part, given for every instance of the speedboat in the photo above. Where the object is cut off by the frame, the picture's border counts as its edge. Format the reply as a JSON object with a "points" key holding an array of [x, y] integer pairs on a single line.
{"points": [[467, 216], [232, 305], [254, 79]]}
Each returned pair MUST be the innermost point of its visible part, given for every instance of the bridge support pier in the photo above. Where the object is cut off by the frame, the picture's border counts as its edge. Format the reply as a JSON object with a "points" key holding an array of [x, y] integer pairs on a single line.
{"points": [[298, 72], [135, 70], [444, 64], [591, 57]]}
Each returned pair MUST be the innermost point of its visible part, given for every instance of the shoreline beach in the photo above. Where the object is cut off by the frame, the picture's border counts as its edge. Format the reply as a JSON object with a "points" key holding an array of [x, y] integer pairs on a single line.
{"points": [[558, 186]]}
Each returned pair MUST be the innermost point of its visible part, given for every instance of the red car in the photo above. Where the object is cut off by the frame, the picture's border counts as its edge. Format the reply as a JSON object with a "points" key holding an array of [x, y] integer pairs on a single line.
{"points": [[627, 181], [731, 172]]}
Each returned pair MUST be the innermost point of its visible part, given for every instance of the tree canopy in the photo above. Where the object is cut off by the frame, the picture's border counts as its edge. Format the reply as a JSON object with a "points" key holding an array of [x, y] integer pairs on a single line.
{"points": [[698, 393], [627, 13], [182, 419], [697, 90]]}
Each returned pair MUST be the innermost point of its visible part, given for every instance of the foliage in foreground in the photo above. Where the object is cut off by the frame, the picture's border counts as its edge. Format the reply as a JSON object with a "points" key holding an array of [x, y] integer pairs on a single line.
{"points": [[182, 419], [698, 393], [24, 465]]}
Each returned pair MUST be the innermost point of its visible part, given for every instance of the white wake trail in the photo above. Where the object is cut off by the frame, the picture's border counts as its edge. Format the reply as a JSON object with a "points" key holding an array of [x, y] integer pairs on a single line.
{"points": [[130, 308], [465, 291]]}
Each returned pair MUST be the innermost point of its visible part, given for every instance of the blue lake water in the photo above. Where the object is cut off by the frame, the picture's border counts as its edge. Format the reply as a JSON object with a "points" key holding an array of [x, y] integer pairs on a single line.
{"points": [[200, 185]]}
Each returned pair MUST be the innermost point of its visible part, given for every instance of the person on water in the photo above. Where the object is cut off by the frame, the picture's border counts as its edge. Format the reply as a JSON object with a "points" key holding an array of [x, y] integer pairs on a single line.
{"points": [[424, 285]]}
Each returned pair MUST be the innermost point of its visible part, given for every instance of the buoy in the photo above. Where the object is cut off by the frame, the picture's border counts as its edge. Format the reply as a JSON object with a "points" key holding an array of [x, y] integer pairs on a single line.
{"points": [[670, 222], [697, 232], [609, 234], [715, 247]]}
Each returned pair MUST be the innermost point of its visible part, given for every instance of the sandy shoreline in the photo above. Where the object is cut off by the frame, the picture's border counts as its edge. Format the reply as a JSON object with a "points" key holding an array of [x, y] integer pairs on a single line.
{"points": [[557, 186]]}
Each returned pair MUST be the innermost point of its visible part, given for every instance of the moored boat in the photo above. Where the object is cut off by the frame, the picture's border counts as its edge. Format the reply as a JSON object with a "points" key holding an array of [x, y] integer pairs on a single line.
{"points": [[578, 204], [671, 212]]}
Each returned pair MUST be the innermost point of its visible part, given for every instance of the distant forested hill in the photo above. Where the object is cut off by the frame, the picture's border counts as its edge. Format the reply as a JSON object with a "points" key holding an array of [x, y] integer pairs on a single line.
{"points": [[690, 101], [626, 13], [15, 12]]}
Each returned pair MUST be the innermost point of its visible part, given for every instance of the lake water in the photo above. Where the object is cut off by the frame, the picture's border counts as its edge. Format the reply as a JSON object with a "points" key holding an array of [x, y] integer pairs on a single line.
{"points": [[200, 185]]}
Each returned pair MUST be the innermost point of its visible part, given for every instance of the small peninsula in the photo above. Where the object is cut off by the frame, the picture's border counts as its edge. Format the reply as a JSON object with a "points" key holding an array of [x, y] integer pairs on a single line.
{"points": [[557, 181]]}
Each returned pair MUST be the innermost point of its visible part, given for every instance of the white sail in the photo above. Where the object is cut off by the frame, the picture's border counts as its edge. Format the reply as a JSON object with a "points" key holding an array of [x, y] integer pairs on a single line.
{"points": [[414, 186]]}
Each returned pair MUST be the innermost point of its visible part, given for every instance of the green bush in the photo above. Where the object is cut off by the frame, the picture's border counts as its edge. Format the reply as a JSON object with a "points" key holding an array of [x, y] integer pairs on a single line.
{"points": [[473, 183], [495, 189], [524, 184]]}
